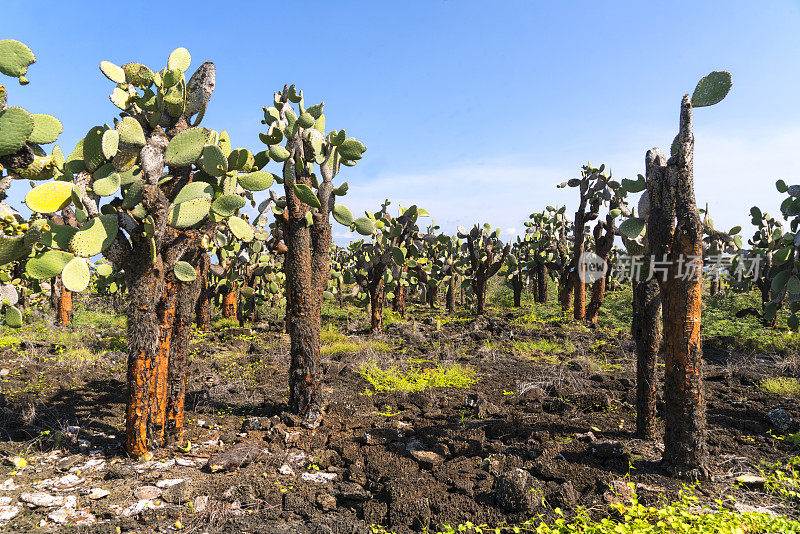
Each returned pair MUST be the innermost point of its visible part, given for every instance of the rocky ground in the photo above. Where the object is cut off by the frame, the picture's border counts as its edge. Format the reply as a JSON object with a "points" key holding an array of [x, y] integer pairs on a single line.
{"points": [[548, 424]]}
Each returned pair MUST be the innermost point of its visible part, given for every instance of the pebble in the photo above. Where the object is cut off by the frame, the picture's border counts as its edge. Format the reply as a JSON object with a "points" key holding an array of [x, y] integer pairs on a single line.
{"points": [[200, 503], [319, 477], [64, 483], [8, 485], [286, 470], [98, 493], [146, 493], [5, 501], [8, 512], [427, 457], [167, 482], [752, 481], [40, 498]]}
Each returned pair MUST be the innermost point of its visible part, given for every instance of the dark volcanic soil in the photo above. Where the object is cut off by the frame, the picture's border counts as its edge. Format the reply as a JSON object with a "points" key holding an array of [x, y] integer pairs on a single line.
{"points": [[539, 430]]}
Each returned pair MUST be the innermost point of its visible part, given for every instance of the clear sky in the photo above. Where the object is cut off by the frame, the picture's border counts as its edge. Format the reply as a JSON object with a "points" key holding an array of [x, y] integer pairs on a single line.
{"points": [[474, 110]]}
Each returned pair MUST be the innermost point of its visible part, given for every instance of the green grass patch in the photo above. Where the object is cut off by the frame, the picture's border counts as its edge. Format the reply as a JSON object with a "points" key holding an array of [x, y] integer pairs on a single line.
{"points": [[783, 386], [417, 378]]}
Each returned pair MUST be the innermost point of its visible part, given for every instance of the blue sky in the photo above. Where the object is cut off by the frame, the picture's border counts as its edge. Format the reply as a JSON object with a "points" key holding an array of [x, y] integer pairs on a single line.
{"points": [[474, 110]]}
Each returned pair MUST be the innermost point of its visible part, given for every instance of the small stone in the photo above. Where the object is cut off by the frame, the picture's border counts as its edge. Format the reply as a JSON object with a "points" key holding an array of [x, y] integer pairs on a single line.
{"points": [[185, 462], [8, 513], [427, 457], [237, 456], [168, 482], [98, 493], [319, 477], [350, 491], [200, 503], [8, 485], [146, 493], [285, 469], [608, 449], [779, 419], [251, 423], [4, 371], [40, 498], [5, 501], [588, 437]]}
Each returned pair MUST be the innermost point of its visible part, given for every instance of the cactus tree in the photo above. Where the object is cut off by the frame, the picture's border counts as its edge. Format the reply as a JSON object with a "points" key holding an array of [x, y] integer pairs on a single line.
{"points": [[309, 201], [676, 233], [486, 256]]}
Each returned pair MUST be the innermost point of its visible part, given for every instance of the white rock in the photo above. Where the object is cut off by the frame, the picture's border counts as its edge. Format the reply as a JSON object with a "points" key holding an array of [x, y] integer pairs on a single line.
{"points": [[319, 477], [40, 498], [167, 482], [200, 503], [286, 470], [98, 493], [64, 516], [8, 512], [64, 483], [95, 464], [166, 464], [5, 501], [185, 462], [146, 493], [8, 485]]}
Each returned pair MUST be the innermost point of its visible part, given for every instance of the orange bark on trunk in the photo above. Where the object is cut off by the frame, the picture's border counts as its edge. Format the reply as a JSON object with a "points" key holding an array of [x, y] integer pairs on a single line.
{"points": [[166, 318], [230, 301], [64, 306]]}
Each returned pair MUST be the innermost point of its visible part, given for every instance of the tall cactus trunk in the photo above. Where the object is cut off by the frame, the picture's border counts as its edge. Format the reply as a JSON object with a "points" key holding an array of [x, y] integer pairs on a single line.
{"points": [[399, 304], [541, 283], [230, 303], [516, 285], [480, 295], [604, 242], [451, 294], [565, 290], [433, 296], [145, 286], [165, 313], [188, 293], [578, 275], [63, 303], [203, 306], [672, 187], [376, 304], [646, 333]]}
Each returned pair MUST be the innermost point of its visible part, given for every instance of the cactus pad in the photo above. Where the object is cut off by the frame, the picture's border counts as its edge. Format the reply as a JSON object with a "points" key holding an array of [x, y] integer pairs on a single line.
{"points": [[306, 195], [227, 205], [95, 236], [15, 58], [49, 197], [112, 72], [278, 153], [42, 168], [256, 181], [186, 147], [184, 271], [364, 226], [8, 294], [241, 229], [16, 126], [240, 159], [139, 75], [213, 161], [342, 215], [711, 89], [130, 132], [179, 59], [13, 317], [107, 185], [47, 264], [351, 149], [76, 275], [93, 155], [194, 190], [46, 129], [189, 212]]}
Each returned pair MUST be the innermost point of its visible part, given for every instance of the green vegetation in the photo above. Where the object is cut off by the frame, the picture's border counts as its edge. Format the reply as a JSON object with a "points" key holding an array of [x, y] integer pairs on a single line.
{"points": [[416, 378], [782, 386]]}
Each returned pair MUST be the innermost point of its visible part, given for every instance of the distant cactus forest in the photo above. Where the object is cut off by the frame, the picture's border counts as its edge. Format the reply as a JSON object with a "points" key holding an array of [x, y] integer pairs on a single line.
{"points": [[185, 347]]}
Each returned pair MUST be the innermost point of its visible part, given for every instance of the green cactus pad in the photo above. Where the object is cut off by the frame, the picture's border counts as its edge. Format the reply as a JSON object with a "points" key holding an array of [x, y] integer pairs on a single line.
{"points": [[15, 58], [364, 226], [632, 227], [240, 159], [342, 215], [16, 126], [93, 155], [110, 143], [278, 153], [213, 161], [131, 132], [186, 147], [13, 317], [121, 98], [8, 294], [184, 271], [711, 89], [107, 186], [46, 129], [189, 212], [76, 275], [306, 195], [112, 72], [241, 229], [47, 264], [256, 181], [194, 190], [13, 249], [103, 269], [139, 75], [174, 101], [351, 149], [49, 197], [133, 195], [227, 205], [58, 236], [95, 236], [179, 59], [305, 120]]}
